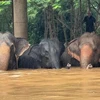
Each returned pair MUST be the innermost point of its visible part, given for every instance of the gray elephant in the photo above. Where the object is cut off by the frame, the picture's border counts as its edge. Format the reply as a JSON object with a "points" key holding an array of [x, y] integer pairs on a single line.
{"points": [[51, 50], [86, 49], [46, 54], [10, 49], [7, 51]]}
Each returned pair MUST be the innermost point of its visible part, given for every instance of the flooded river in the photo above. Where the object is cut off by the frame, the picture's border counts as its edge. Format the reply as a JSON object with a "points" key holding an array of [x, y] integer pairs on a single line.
{"points": [[50, 84]]}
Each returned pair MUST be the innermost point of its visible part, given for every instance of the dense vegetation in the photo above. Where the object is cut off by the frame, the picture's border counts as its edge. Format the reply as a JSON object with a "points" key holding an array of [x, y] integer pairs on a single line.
{"points": [[52, 18]]}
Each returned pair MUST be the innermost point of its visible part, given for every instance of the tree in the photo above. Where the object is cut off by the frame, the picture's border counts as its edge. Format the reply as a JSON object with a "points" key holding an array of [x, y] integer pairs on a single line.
{"points": [[6, 16], [20, 18], [53, 18]]}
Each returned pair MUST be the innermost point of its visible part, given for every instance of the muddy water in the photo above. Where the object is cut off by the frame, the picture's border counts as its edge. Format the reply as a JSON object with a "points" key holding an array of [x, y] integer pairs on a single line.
{"points": [[53, 84]]}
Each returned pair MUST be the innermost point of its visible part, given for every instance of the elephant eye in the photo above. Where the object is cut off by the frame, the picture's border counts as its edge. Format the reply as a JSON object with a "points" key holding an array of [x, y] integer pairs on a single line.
{"points": [[46, 52]]}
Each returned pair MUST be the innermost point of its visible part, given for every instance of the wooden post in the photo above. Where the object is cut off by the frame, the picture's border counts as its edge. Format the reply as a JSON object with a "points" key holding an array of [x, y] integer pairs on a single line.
{"points": [[20, 18]]}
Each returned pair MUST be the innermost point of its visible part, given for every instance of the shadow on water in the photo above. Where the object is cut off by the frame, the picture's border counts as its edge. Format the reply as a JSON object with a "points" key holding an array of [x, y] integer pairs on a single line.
{"points": [[50, 84]]}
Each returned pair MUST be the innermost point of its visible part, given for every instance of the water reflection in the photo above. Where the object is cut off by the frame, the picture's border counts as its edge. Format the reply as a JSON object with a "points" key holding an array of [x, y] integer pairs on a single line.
{"points": [[52, 84]]}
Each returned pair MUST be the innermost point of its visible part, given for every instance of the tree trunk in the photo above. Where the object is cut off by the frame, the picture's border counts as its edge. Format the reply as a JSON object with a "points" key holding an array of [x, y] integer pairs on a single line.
{"points": [[50, 30], [88, 5], [20, 18], [72, 19], [45, 24], [80, 15], [98, 17]]}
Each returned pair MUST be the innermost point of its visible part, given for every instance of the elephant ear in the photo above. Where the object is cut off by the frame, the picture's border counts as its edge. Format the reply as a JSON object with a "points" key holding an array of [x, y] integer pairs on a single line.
{"points": [[73, 46], [21, 45]]}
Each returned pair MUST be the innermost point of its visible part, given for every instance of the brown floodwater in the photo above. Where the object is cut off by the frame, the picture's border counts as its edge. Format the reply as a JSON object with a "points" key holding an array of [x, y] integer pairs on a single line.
{"points": [[50, 84]]}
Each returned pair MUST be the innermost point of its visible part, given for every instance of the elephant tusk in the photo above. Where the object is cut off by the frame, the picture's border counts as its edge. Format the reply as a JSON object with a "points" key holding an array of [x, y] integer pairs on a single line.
{"points": [[89, 66]]}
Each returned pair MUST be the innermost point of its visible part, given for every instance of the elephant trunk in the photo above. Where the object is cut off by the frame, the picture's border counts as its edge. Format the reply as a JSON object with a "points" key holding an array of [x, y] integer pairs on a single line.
{"points": [[86, 53], [4, 56]]}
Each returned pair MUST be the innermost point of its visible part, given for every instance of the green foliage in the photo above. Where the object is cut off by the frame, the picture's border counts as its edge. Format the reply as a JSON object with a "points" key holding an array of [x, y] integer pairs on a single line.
{"points": [[35, 12], [5, 16]]}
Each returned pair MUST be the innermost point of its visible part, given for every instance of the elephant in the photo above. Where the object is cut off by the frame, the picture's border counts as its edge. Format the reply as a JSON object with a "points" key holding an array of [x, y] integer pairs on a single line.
{"points": [[7, 51], [10, 50], [86, 49], [21, 45], [46, 54], [51, 51]]}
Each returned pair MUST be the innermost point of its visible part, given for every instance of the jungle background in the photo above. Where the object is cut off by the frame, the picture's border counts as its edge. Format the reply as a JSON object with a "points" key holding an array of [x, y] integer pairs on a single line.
{"points": [[52, 18]]}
